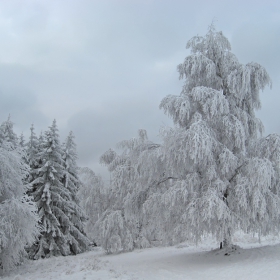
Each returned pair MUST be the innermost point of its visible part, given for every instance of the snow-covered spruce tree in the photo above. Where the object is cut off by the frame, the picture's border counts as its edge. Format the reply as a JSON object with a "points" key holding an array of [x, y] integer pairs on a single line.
{"points": [[72, 183], [18, 218], [135, 175], [93, 196], [32, 154], [59, 235], [227, 177]]}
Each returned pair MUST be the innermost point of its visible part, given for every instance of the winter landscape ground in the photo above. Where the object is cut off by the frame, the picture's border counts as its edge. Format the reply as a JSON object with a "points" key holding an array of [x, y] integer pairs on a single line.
{"points": [[252, 260]]}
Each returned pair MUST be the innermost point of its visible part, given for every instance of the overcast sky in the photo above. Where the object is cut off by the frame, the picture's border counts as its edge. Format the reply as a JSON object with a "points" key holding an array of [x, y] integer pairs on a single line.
{"points": [[101, 68]]}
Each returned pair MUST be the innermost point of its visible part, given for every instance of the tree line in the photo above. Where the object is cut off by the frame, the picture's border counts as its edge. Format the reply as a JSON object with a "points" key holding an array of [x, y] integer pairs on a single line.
{"points": [[39, 210]]}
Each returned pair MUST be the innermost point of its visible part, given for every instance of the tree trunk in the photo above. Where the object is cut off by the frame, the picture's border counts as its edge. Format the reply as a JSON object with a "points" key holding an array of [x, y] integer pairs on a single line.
{"points": [[227, 239], [225, 243]]}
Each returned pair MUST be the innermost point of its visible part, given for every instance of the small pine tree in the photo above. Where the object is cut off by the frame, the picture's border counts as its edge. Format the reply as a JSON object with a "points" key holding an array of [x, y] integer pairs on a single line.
{"points": [[21, 141], [32, 151]]}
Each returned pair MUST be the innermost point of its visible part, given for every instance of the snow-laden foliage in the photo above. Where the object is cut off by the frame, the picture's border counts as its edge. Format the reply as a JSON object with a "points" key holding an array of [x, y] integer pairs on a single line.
{"points": [[135, 174], [71, 181], [73, 184], [61, 229], [18, 218], [227, 176], [8, 135], [93, 196], [213, 174]]}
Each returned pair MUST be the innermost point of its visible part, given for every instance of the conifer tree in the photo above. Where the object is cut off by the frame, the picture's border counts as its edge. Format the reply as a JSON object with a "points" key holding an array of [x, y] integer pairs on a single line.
{"points": [[21, 141], [72, 183], [32, 158], [32, 151], [59, 235]]}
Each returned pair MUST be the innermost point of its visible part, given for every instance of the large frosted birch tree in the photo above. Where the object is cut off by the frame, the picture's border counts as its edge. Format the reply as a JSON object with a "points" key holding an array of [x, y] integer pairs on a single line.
{"points": [[213, 174], [226, 177]]}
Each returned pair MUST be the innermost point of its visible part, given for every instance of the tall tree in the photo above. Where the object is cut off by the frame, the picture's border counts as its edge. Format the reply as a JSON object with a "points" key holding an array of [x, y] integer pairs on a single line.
{"points": [[59, 235], [18, 218], [72, 183], [224, 180], [214, 172], [33, 160]]}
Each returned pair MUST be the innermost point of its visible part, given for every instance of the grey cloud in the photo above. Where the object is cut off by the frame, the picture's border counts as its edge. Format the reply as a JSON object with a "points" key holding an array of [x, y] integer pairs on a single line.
{"points": [[101, 68], [97, 131], [21, 105], [259, 42]]}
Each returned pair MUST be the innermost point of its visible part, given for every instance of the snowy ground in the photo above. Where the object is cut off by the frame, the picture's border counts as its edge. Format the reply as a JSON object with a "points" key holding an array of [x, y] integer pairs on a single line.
{"points": [[253, 261]]}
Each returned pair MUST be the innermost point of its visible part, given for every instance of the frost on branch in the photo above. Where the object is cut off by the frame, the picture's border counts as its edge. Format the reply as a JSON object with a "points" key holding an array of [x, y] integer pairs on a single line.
{"points": [[93, 196], [18, 218], [54, 189], [216, 140], [213, 173], [135, 172]]}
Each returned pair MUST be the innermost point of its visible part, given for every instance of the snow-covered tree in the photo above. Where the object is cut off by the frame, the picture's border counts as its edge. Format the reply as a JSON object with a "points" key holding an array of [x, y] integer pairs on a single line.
{"points": [[18, 218], [226, 177], [214, 172], [93, 196], [21, 141], [71, 181], [11, 139], [59, 236], [32, 151], [134, 174], [73, 184]]}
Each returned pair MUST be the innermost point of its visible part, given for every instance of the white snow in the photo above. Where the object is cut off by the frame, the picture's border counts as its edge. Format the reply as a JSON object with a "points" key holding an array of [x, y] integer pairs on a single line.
{"points": [[253, 261]]}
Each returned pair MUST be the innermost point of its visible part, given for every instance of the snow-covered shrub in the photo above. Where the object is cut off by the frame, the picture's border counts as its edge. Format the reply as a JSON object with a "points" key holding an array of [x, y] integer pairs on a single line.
{"points": [[93, 198]]}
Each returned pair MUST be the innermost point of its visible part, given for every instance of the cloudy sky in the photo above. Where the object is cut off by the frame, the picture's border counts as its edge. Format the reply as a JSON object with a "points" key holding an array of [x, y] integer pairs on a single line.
{"points": [[101, 68]]}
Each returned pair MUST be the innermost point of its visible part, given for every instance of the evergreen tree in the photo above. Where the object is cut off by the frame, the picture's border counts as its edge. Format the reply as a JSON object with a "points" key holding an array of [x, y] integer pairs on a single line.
{"points": [[32, 151], [71, 180], [18, 218], [33, 160], [72, 183], [21, 141], [59, 235]]}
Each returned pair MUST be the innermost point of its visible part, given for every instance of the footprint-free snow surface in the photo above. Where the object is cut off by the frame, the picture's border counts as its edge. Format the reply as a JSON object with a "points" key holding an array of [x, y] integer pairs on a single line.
{"points": [[248, 260]]}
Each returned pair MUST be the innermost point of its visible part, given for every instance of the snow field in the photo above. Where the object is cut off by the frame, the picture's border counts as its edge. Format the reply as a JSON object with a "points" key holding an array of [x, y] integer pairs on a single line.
{"points": [[254, 261]]}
